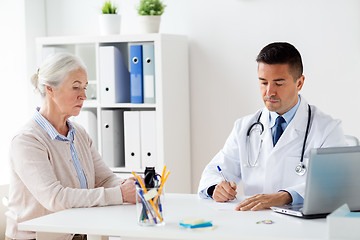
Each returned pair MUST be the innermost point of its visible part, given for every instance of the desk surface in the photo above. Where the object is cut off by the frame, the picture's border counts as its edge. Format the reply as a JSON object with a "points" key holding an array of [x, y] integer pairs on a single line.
{"points": [[122, 221]]}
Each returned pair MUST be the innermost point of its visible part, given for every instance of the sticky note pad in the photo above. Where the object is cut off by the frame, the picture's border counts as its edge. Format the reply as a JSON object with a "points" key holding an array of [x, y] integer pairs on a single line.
{"points": [[200, 225], [192, 221]]}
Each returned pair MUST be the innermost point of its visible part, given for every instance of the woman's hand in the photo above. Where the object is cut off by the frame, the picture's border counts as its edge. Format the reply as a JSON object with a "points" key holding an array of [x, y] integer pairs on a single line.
{"points": [[128, 190]]}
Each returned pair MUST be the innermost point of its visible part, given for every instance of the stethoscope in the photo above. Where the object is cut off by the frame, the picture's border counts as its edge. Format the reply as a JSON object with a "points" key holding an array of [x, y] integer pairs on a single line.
{"points": [[259, 127]]}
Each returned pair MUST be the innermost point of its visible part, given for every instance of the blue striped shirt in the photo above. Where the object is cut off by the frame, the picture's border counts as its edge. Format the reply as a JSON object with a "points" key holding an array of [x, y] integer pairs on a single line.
{"points": [[55, 135]]}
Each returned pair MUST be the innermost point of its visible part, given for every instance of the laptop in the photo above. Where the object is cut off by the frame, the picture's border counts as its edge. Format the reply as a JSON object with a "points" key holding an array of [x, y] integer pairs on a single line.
{"points": [[333, 179]]}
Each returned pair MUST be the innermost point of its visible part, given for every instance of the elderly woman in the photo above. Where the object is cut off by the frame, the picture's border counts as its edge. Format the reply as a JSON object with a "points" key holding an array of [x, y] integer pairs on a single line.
{"points": [[54, 163]]}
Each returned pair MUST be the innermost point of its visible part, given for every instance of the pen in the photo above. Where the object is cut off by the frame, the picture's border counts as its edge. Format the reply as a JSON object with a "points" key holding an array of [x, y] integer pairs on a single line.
{"points": [[218, 167], [145, 203], [223, 176]]}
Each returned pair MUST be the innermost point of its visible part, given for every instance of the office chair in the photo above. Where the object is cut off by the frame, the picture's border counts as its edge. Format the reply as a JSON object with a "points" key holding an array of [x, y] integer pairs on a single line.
{"points": [[352, 140]]}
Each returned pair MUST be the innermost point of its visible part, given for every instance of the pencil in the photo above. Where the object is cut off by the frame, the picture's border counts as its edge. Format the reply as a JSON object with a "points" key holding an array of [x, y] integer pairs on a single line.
{"points": [[163, 174], [161, 186]]}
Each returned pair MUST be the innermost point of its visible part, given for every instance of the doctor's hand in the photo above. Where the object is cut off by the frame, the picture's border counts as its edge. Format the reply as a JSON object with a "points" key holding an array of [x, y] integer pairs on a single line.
{"points": [[224, 191], [128, 190], [264, 201]]}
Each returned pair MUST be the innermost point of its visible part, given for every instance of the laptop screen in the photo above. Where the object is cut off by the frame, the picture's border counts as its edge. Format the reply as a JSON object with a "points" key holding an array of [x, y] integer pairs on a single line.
{"points": [[333, 179]]}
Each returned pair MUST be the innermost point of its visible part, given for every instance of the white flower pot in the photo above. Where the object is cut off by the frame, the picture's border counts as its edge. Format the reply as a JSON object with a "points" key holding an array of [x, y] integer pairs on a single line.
{"points": [[109, 24], [149, 24]]}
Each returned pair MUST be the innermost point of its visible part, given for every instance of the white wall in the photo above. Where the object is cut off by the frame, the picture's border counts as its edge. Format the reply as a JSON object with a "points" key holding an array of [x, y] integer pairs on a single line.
{"points": [[12, 69], [20, 21], [35, 20], [225, 37]]}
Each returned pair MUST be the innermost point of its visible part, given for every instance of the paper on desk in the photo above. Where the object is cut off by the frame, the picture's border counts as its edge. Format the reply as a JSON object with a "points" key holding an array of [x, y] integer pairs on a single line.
{"points": [[343, 224], [225, 206], [353, 214]]}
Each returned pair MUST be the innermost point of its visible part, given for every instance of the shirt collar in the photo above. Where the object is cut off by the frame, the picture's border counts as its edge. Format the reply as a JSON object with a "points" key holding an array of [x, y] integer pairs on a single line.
{"points": [[288, 116], [50, 129]]}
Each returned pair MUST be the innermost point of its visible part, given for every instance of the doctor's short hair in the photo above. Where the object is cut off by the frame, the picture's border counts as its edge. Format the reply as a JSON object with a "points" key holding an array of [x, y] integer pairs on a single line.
{"points": [[54, 70], [282, 53]]}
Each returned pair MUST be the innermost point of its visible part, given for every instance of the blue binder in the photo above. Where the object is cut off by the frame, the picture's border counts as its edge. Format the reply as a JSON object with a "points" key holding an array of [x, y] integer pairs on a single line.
{"points": [[136, 74]]}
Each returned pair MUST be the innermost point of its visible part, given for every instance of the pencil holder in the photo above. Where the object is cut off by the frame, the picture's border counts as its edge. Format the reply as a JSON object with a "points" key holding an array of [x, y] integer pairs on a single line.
{"points": [[150, 206]]}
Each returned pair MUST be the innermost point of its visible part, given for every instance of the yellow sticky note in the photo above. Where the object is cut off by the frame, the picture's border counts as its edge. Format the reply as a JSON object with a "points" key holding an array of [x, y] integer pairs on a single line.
{"points": [[193, 221]]}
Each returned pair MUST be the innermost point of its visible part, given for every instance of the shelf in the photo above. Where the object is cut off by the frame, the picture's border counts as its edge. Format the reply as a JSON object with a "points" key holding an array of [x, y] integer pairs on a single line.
{"points": [[66, 40], [129, 105], [170, 123], [95, 104], [126, 170]]}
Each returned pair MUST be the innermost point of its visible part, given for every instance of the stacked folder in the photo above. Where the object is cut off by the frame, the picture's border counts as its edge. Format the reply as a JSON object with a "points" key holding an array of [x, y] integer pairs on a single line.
{"points": [[128, 138], [112, 133], [140, 139], [114, 76], [118, 84], [142, 73]]}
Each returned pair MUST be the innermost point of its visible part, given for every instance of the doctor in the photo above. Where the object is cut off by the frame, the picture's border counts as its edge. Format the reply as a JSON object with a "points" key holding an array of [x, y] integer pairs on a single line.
{"points": [[269, 150]]}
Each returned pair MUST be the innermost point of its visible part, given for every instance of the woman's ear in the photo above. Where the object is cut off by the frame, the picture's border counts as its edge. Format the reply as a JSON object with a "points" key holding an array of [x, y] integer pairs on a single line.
{"points": [[49, 90]]}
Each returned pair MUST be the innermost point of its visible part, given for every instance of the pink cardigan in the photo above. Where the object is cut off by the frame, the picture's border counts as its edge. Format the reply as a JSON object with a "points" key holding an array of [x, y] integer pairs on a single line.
{"points": [[44, 179]]}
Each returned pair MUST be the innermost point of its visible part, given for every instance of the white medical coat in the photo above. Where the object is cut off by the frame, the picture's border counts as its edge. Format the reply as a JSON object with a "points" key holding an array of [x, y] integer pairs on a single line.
{"points": [[276, 164]]}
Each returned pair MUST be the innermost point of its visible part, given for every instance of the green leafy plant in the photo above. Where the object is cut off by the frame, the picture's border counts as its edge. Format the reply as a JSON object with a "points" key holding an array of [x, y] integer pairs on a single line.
{"points": [[109, 8], [151, 7]]}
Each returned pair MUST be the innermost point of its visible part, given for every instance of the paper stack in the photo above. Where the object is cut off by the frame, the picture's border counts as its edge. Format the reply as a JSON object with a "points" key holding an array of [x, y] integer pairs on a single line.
{"points": [[343, 224]]}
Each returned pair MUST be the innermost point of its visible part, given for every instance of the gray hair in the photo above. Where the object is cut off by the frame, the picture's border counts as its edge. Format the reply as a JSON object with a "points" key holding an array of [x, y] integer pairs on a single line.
{"points": [[54, 71]]}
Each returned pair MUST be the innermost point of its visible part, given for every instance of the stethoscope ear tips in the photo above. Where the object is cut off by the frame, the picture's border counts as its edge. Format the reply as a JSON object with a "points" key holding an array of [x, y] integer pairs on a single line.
{"points": [[300, 169]]}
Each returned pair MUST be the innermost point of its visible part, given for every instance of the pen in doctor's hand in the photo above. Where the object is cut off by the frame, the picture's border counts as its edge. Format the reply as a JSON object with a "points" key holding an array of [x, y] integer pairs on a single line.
{"points": [[223, 176], [220, 171]]}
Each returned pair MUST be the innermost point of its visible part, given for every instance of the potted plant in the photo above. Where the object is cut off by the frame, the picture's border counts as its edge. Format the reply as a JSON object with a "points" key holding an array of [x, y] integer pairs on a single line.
{"points": [[150, 12], [109, 19]]}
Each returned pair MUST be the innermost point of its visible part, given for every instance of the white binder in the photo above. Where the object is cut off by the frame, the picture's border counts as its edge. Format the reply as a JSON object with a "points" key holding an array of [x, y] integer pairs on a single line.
{"points": [[112, 137], [149, 73], [132, 140], [148, 138], [114, 76], [87, 119]]}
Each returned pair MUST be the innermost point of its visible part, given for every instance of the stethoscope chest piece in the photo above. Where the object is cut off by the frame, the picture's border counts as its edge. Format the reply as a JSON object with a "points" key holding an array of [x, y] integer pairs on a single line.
{"points": [[300, 169]]}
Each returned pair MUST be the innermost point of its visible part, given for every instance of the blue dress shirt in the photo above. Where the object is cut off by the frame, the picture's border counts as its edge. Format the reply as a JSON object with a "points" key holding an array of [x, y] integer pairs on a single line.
{"points": [[288, 116]]}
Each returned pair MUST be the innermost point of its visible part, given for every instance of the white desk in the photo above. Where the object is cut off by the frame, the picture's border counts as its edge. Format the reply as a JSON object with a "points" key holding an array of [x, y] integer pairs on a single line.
{"points": [[122, 221]]}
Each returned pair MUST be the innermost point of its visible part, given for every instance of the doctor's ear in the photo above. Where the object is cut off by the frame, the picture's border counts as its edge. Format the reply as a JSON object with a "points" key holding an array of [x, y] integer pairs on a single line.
{"points": [[300, 82]]}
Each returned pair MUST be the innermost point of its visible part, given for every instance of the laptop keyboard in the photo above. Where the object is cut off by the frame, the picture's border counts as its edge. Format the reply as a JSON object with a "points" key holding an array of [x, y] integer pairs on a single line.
{"points": [[296, 208]]}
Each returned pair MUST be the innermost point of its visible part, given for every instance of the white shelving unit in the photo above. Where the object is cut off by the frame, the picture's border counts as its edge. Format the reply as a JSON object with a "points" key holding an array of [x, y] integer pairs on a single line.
{"points": [[171, 93]]}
